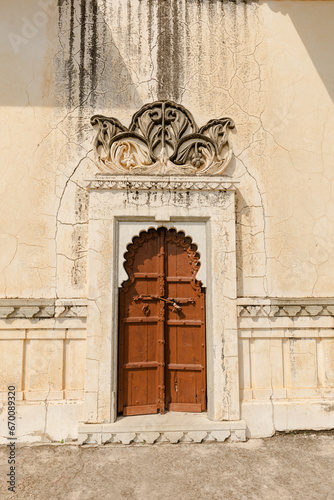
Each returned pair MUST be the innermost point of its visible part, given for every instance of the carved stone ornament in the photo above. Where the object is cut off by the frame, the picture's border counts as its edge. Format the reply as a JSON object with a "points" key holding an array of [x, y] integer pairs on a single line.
{"points": [[42, 308], [162, 139]]}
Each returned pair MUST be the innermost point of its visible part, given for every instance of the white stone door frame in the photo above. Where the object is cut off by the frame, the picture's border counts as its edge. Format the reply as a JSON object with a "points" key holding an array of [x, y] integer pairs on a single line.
{"points": [[207, 202]]}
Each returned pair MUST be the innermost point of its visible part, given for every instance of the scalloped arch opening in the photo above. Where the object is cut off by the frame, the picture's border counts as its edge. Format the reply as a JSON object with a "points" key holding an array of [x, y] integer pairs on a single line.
{"points": [[145, 235]]}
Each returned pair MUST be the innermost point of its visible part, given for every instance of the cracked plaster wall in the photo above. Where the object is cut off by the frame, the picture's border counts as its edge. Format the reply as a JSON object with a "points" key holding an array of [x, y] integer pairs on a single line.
{"points": [[267, 65]]}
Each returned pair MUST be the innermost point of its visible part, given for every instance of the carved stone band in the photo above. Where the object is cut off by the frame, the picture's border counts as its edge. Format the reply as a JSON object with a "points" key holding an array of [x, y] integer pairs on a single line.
{"points": [[278, 308], [175, 183], [42, 308]]}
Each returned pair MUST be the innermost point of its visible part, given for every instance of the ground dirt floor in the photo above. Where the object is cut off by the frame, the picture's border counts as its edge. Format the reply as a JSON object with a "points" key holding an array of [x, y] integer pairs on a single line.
{"points": [[292, 466]]}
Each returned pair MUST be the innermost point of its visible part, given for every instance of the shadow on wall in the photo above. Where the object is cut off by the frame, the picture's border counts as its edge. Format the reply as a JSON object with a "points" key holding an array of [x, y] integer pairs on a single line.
{"points": [[62, 53], [314, 23], [76, 44], [85, 53]]}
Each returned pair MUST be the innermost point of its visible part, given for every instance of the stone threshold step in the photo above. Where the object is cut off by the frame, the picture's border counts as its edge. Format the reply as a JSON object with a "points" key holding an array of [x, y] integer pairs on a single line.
{"points": [[171, 427]]}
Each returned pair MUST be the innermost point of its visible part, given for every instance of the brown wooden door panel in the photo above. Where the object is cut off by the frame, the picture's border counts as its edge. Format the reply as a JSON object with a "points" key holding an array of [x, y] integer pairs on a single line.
{"points": [[162, 327], [191, 407], [141, 343], [185, 331], [140, 410], [185, 388], [140, 387], [139, 370], [185, 346]]}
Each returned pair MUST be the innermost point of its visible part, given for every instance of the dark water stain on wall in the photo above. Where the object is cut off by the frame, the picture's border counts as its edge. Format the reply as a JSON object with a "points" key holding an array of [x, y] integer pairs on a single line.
{"points": [[240, 1], [140, 22], [71, 68], [150, 5], [82, 52], [187, 18], [90, 66], [93, 52], [173, 47], [130, 20], [89, 56], [91, 73], [169, 55]]}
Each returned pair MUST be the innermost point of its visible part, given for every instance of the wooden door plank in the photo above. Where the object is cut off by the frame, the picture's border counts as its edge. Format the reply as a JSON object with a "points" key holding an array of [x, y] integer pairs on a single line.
{"points": [[141, 319], [179, 279], [138, 338], [146, 275], [141, 364], [180, 366], [140, 410], [185, 322], [185, 337], [161, 322], [120, 353], [203, 352], [190, 407]]}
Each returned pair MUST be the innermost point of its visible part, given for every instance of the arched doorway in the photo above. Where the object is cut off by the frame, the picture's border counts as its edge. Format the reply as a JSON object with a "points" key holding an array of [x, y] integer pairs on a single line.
{"points": [[161, 326]]}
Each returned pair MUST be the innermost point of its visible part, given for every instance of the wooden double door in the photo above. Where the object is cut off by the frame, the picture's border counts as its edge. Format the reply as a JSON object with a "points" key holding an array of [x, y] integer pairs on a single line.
{"points": [[161, 327]]}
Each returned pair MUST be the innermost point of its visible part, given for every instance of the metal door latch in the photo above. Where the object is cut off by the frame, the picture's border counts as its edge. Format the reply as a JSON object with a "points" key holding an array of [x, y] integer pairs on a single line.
{"points": [[176, 307]]}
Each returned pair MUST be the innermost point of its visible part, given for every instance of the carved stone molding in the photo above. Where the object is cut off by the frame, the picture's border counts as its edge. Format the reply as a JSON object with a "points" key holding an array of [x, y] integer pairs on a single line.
{"points": [[164, 139], [194, 429], [173, 437], [42, 308], [288, 308], [174, 183]]}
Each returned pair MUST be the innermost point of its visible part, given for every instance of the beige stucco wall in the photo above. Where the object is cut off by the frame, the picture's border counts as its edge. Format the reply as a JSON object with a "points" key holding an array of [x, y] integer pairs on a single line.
{"points": [[267, 65]]}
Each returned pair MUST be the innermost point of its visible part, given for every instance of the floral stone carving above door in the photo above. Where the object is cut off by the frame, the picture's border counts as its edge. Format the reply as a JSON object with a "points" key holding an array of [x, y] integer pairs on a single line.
{"points": [[162, 139]]}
